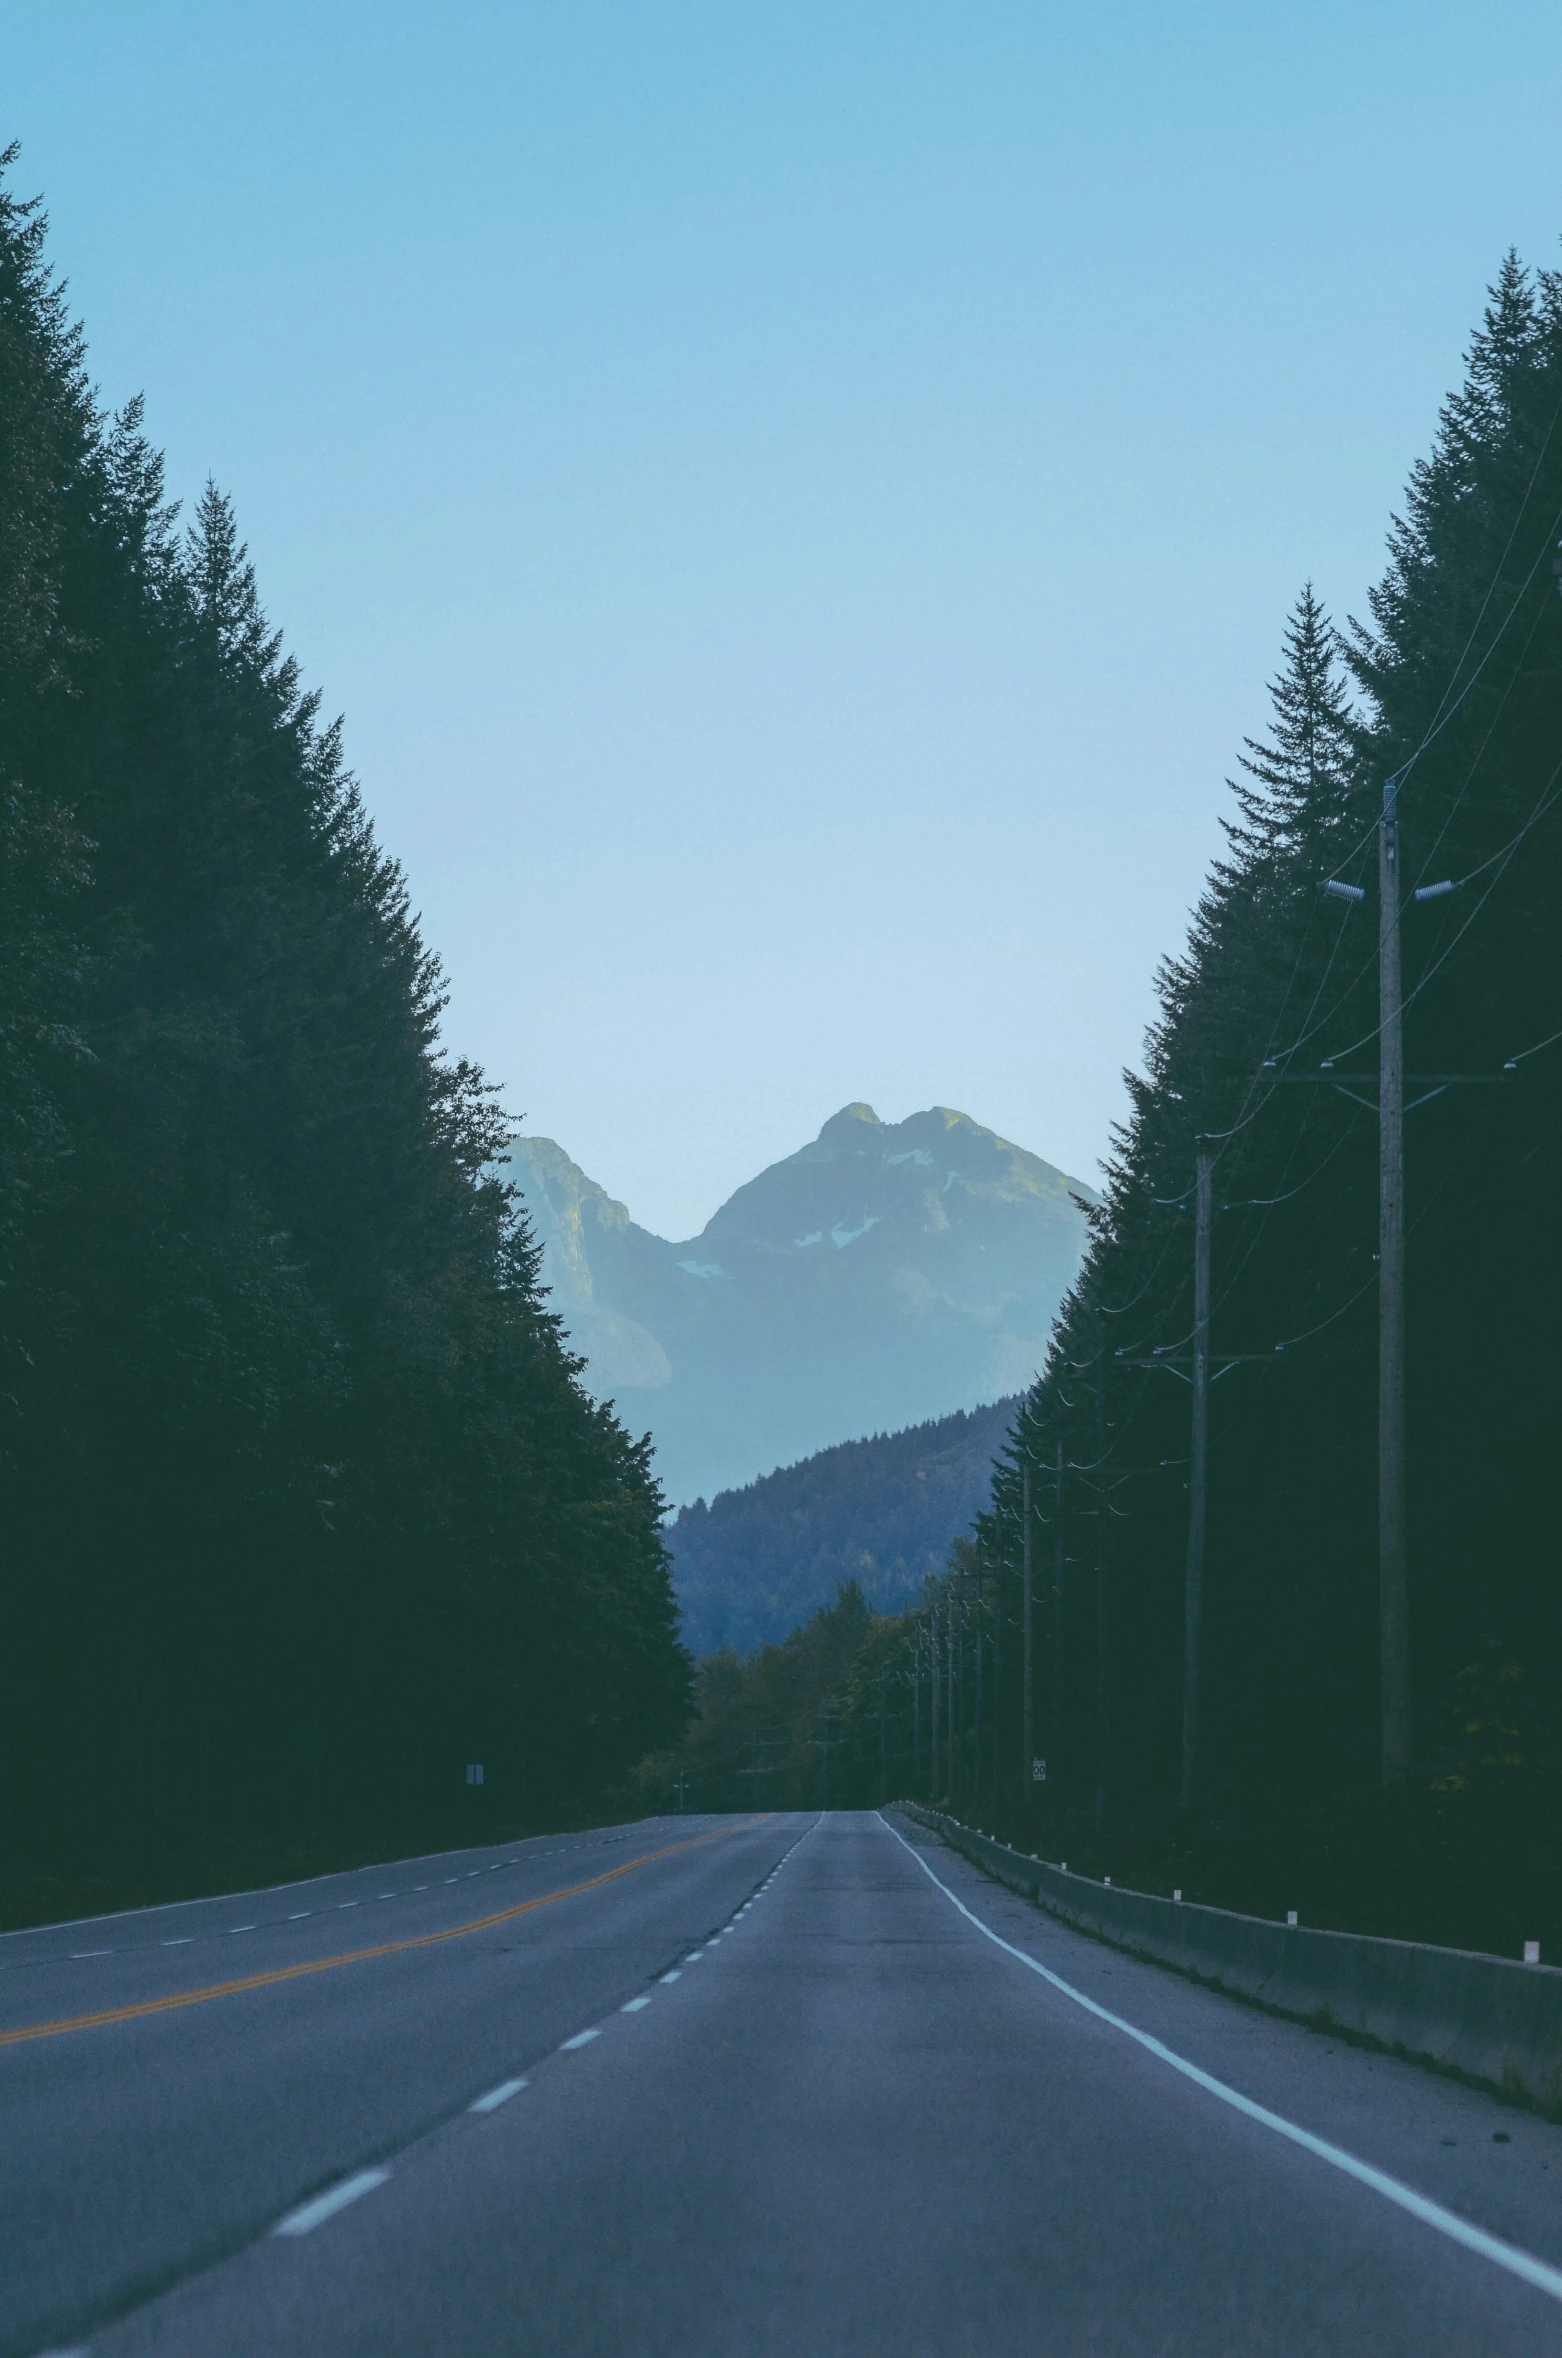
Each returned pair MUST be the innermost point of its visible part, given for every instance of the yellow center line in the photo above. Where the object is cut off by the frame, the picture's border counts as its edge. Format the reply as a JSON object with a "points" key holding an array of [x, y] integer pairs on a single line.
{"points": [[389, 1948]]}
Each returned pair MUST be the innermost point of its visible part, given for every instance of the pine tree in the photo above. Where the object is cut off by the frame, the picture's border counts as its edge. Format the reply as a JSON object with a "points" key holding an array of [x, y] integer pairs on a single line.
{"points": [[304, 1499]]}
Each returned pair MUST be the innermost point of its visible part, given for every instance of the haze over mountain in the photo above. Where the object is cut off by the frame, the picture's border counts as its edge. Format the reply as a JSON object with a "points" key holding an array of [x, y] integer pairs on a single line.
{"points": [[883, 1275]]}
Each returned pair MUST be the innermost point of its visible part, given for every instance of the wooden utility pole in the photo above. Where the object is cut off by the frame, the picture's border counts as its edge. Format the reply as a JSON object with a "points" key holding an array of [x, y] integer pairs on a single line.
{"points": [[1055, 1740], [981, 1616], [1393, 1584], [1027, 1643], [997, 1742], [916, 1711], [1103, 1583], [1394, 1677], [949, 1666], [1198, 1467], [932, 1684]]}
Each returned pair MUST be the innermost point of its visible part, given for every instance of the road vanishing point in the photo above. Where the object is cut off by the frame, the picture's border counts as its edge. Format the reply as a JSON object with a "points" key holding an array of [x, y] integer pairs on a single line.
{"points": [[722, 2088]]}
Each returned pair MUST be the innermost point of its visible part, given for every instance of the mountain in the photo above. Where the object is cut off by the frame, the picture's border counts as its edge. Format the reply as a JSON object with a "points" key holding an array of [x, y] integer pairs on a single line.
{"points": [[754, 1564], [885, 1274]]}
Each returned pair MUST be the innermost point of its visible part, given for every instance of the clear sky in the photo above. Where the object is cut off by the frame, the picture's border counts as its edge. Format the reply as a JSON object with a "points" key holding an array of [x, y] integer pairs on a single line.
{"points": [[797, 503]]}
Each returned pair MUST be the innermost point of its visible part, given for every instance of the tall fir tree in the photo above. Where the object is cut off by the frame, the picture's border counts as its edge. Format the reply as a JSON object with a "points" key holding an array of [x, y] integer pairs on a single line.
{"points": [[304, 1500]]}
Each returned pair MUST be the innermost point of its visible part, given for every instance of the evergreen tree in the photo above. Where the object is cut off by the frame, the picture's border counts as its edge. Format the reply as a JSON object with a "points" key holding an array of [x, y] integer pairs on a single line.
{"points": [[1458, 674], [305, 1503]]}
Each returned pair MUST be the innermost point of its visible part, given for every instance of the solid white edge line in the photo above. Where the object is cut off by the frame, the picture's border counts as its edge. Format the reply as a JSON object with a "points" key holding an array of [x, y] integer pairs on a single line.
{"points": [[1517, 2262], [325, 2206], [497, 2096]]}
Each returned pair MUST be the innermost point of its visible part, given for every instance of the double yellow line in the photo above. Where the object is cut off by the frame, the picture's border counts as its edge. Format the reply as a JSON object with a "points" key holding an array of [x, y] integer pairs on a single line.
{"points": [[389, 1948]]}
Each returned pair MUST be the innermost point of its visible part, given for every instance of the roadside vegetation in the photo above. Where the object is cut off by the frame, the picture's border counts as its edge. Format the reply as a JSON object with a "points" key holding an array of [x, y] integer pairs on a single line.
{"points": [[1265, 1056], [304, 1508]]}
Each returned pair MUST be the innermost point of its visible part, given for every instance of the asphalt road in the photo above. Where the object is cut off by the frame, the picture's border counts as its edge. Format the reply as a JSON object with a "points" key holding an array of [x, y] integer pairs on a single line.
{"points": [[722, 2086]]}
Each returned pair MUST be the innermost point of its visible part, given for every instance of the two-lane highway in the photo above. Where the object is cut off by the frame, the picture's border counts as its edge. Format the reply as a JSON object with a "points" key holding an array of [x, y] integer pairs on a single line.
{"points": [[174, 2080], [863, 2102]]}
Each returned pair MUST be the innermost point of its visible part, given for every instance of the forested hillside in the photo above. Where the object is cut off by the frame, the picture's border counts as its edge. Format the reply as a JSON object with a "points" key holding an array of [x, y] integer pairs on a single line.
{"points": [[303, 1506], [882, 1513], [1265, 1056], [1267, 1049]]}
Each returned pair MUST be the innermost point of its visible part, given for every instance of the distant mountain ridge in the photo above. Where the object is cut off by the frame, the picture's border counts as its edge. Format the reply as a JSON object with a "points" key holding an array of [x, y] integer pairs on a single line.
{"points": [[885, 1274], [754, 1564]]}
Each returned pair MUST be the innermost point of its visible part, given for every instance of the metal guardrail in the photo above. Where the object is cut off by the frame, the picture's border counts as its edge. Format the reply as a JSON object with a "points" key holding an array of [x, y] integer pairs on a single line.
{"points": [[1486, 2019]]}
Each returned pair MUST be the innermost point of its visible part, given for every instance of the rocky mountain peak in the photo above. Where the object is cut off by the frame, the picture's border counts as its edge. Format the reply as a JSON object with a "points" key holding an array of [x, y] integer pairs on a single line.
{"points": [[885, 1273]]}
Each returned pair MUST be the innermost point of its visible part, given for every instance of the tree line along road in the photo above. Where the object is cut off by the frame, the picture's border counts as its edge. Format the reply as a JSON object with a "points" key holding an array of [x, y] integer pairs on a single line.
{"points": [[722, 2085]]}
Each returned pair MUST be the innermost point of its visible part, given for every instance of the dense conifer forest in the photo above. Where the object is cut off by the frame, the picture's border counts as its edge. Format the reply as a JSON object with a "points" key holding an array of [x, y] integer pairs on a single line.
{"points": [[1265, 1056], [1452, 686], [304, 1507]]}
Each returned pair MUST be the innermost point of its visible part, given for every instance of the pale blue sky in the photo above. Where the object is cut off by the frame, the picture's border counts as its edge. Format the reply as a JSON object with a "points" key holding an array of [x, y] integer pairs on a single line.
{"points": [[797, 503]]}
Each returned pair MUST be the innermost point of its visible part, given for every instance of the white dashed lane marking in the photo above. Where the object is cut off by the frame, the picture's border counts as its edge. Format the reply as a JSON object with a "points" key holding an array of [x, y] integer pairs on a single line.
{"points": [[581, 2039], [634, 2005], [325, 2206], [300, 1915], [497, 2096]]}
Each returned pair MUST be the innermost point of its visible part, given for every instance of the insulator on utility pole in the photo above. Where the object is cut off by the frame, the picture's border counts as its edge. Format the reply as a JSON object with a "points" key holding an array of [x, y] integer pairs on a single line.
{"points": [[1343, 892], [1436, 892]]}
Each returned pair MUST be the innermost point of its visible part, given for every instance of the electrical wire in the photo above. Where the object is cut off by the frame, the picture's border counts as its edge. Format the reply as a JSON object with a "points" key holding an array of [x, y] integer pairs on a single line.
{"points": [[1441, 719], [1349, 1303], [1549, 1042], [1313, 1028], [1550, 796], [1244, 1202], [1121, 1309], [1442, 716], [1480, 754], [1234, 1276], [1445, 711]]}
